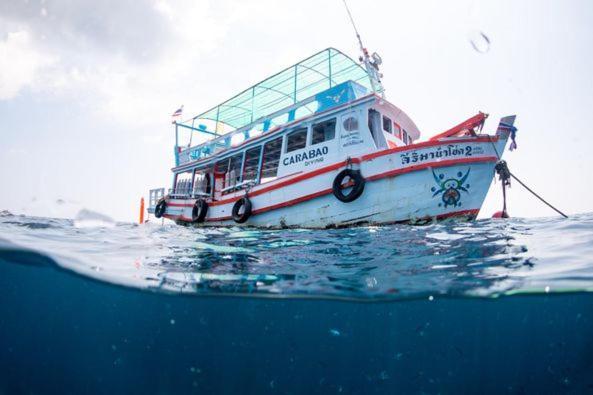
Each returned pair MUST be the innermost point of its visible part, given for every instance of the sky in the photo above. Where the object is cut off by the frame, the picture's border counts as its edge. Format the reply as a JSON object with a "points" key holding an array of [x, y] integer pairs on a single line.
{"points": [[87, 88]]}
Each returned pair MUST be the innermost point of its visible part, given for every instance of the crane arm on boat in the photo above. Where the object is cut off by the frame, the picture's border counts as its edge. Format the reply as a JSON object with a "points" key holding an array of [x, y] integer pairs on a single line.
{"points": [[477, 121]]}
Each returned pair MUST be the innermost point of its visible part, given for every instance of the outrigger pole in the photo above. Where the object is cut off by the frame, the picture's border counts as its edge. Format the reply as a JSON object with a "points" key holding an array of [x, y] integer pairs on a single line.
{"points": [[371, 66]]}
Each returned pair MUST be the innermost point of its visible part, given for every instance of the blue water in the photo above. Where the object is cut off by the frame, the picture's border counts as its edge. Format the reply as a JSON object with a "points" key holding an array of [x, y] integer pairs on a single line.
{"points": [[489, 306]]}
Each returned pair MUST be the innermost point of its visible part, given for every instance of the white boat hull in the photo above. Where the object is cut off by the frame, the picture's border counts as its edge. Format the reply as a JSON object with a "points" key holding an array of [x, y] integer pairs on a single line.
{"points": [[417, 183]]}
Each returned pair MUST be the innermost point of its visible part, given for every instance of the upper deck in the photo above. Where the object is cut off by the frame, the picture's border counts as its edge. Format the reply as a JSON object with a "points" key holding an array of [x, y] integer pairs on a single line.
{"points": [[316, 84]]}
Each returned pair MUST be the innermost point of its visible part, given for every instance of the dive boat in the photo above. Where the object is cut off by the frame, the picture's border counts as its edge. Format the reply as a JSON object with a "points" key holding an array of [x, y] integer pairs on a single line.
{"points": [[318, 145]]}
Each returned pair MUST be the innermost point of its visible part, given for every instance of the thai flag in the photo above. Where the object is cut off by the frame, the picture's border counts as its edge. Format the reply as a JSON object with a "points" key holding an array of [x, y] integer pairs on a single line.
{"points": [[177, 113], [505, 127]]}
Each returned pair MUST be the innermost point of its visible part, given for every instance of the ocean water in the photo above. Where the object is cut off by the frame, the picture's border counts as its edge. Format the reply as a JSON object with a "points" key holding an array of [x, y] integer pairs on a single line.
{"points": [[491, 306]]}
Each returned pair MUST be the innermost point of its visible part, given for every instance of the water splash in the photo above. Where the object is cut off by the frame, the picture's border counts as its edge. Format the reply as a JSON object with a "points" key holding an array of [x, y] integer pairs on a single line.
{"points": [[92, 219]]}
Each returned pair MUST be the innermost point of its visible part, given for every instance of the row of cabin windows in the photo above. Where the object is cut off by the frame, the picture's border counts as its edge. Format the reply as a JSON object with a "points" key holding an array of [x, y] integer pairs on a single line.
{"points": [[238, 170], [388, 126], [320, 133]]}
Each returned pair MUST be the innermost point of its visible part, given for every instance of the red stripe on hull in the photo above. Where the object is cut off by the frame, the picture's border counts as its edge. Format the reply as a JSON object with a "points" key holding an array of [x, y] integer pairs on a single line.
{"points": [[324, 192], [390, 173], [286, 183], [281, 205]]}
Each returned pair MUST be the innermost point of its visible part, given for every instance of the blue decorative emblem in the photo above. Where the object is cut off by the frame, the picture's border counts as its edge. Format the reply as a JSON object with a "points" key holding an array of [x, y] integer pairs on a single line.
{"points": [[450, 188]]}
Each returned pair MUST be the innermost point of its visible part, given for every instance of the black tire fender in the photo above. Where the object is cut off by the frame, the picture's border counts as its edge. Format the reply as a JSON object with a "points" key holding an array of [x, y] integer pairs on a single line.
{"points": [[357, 188], [199, 211], [246, 204], [160, 208]]}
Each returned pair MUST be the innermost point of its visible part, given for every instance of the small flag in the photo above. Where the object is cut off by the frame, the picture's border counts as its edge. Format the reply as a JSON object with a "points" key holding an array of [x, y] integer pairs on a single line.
{"points": [[505, 127], [177, 113], [513, 145]]}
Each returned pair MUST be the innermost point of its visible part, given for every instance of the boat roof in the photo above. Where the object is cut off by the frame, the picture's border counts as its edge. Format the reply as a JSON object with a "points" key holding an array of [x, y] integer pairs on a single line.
{"points": [[302, 80]]}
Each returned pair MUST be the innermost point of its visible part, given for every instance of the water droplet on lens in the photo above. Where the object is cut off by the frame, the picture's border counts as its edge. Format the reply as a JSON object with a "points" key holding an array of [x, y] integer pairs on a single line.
{"points": [[479, 41]]}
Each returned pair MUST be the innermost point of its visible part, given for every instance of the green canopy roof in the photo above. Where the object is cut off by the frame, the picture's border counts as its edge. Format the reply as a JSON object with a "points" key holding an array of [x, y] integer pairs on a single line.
{"points": [[315, 74]]}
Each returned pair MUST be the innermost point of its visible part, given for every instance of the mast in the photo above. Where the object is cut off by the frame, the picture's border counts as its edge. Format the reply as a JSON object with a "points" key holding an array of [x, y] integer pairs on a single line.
{"points": [[371, 63]]}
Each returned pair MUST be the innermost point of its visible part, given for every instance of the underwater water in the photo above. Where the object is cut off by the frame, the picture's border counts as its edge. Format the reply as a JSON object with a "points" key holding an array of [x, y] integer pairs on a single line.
{"points": [[492, 306]]}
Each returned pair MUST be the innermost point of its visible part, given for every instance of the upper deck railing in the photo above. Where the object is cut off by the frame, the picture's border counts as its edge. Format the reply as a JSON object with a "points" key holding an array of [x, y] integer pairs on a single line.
{"points": [[338, 95], [257, 106]]}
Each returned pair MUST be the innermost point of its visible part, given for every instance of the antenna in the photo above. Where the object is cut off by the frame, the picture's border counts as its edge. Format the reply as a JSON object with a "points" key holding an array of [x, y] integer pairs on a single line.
{"points": [[354, 26], [371, 65]]}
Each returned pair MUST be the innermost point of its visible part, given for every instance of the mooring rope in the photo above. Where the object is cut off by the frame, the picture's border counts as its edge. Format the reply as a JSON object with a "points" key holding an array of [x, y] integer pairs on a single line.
{"points": [[505, 174], [538, 196]]}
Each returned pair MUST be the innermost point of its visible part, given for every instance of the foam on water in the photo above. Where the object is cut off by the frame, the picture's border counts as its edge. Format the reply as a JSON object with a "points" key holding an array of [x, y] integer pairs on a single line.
{"points": [[486, 258]]}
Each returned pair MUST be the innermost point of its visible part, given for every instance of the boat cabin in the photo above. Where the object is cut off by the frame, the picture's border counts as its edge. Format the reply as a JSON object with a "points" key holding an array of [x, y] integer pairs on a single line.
{"points": [[318, 112]]}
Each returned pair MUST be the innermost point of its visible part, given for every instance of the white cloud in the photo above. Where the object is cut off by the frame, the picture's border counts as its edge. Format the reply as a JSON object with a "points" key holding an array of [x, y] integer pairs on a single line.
{"points": [[20, 63], [128, 71]]}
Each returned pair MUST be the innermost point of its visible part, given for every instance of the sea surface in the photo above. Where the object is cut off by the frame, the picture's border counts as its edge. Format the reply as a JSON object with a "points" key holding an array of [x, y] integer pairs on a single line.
{"points": [[491, 306]]}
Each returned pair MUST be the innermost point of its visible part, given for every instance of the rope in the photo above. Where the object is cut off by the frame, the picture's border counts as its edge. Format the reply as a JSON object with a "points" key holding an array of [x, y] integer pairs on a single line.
{"points": [[537, 196], [505, 176]]}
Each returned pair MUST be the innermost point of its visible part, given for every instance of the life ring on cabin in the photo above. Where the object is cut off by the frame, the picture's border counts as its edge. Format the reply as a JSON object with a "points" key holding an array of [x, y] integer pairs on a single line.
{"points": [[160, 208], [357, 188], [199, 211], [244, 203]]}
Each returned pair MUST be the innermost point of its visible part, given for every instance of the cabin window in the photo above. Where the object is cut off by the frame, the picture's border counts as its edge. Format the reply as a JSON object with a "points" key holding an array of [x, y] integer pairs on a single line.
{"points": [[202, 181], [199, 182], [323, 131], [183, 183], [405, 136], [271, 159], [222, 166], [374, 125], [350, 124], [398, 130], [234, 174], [251, 163], [387, 125], [221, 169], [296, 140]]}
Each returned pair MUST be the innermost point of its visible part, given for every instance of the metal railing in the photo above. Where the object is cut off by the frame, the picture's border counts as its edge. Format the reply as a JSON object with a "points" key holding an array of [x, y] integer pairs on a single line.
{"points": [[186, 193], [154, 195]]}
